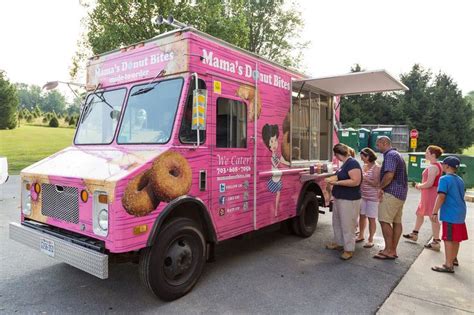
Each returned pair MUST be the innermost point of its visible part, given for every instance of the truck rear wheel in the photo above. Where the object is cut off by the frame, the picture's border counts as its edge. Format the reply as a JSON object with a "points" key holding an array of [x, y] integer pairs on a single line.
{"points": [[305, 223], [173, 265]]}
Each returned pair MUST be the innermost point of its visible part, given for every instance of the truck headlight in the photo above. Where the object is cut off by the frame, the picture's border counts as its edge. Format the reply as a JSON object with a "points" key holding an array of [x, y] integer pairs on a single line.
{"points": [[25, 199], [103, 219], [100, 214]]}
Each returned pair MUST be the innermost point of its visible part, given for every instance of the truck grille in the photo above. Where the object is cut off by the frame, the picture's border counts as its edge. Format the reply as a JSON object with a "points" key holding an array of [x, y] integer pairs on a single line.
{"points": [[60, 202]]}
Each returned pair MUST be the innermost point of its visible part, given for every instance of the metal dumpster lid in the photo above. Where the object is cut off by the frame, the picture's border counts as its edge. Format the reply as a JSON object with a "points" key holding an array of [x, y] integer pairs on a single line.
{"points": [[353, 83]]}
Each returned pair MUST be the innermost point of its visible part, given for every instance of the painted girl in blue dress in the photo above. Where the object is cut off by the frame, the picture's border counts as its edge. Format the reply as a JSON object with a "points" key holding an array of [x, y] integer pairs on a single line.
{"points": [[270, 135]]}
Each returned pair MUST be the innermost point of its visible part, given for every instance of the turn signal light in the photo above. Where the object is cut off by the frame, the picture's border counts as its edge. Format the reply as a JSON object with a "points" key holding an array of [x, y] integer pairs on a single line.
{"points": [[140, 229], [84, 196], [37, 188], [102, 198]]}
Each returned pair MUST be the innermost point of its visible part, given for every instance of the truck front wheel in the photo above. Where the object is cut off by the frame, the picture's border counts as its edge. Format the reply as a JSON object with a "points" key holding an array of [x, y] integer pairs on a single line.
{"points": [[305, 223], [173, 265]]}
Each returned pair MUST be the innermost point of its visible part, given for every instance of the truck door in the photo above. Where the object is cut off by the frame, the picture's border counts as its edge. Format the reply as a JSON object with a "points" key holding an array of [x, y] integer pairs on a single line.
{"points": [[231, 160]]}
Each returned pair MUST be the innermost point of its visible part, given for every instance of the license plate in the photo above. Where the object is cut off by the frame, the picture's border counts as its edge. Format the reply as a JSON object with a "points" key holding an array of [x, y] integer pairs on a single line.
{"points": [[47, 247]]}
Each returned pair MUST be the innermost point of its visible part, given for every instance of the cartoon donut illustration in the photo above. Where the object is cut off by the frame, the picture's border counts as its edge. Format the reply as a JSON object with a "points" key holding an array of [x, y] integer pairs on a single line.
{"points": [[247, 93]]}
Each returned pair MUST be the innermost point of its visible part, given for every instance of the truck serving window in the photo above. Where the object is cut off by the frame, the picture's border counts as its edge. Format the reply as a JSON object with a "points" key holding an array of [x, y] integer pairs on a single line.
{"points": [[311, 127], [99, 117], [150, 113], [186, 134], [231, 124]]}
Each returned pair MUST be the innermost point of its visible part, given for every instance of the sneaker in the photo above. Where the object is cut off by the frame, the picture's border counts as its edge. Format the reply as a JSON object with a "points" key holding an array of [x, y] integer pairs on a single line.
{"points": [[412, 236], [334, 246], [433, 245], [346, 255]]}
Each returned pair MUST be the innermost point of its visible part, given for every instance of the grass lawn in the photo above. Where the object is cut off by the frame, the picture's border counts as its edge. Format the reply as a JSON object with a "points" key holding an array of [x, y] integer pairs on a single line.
{"points": [[469, 151], [28, 144]]}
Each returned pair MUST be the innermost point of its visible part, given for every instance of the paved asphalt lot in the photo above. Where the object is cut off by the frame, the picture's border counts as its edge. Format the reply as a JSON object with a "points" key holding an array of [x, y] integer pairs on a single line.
{"points": [[268, 273]]}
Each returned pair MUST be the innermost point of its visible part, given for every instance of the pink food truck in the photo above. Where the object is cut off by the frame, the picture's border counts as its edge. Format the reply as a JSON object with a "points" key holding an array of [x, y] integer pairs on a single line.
{"points": [[185, 141]]}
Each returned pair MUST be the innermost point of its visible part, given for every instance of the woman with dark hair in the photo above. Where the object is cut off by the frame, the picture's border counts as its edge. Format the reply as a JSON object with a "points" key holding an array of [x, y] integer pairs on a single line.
{"points": [[429, 191], [270, 135], [346, 203], [370, 200]]}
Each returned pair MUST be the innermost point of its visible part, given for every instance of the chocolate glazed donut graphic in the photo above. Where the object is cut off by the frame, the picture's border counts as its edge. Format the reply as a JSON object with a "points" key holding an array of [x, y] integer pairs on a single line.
{"points": [[138, 198], [170, 177]]}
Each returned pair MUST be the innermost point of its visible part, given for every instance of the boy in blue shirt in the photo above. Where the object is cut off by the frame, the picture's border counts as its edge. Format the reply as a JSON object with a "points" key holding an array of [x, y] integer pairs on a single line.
{"points": [[451, 207]]}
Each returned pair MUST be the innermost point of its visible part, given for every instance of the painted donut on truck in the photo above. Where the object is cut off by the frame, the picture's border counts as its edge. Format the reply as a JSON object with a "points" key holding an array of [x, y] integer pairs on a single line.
{"points": [[285, 146], [171, 176], [139, 199], [247, 93]]}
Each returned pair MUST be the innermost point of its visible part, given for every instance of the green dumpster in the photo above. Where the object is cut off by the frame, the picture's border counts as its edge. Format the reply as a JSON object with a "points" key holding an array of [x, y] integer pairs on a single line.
{"points": [[417, 164], [350, 137], [466, 170], [376, 133], [364, 135]]}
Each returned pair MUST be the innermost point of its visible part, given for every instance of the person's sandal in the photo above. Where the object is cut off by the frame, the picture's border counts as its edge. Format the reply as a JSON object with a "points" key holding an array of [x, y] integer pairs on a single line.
{"points": [[443, 268], [334, 246], [346, 255], [413, 236], [368, 245], [456, 262], [434, 245]]}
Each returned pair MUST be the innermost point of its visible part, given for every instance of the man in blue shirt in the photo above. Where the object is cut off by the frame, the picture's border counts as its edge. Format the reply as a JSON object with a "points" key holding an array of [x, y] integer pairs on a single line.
{"points": [[451, 207], [393, 193]]}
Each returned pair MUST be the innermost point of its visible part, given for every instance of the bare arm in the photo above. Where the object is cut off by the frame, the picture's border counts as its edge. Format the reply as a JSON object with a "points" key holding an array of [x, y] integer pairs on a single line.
{"points": [[354, 180], [432, 173], [376, 181], [438, 203], [387, 179]]}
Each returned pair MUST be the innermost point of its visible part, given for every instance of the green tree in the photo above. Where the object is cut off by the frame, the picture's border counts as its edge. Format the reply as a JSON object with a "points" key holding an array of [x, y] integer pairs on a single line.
{"points": [[378, 108], [29, 96], [470, 99], [270, 28], [414, 102], [8, 103], [54, 122], [449, 117], [53, 102], [274, 30]]}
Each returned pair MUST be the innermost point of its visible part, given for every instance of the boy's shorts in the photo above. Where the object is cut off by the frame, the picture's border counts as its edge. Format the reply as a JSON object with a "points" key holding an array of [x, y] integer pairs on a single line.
{"points": [[455, 232]]}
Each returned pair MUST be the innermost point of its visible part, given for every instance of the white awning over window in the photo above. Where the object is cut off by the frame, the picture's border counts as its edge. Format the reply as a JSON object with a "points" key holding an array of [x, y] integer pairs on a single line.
{"points": [[353, 83]]}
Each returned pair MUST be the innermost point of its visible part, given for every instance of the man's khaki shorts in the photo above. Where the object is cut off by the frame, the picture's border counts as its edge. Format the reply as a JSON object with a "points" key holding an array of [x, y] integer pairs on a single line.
{"points": [[390, 209]]}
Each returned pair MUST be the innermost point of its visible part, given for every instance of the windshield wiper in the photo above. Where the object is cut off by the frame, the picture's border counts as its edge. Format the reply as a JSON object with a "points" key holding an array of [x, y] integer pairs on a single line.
{"points": [[88, 107], [148, 88]]}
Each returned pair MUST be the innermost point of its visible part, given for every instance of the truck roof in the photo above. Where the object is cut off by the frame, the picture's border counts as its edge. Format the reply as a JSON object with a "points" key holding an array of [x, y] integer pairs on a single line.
{"points": [[208, 37]]}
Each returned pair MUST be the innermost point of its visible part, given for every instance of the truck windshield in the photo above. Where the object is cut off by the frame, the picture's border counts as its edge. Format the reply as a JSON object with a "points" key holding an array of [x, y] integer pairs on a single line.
{"points": [[99, 117], [149, 117]]}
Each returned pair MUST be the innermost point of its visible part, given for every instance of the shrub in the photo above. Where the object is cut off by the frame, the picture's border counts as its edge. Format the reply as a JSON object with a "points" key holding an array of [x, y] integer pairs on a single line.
{"points": [[54, 122], [29, 118], [45, 120], [72, 121]]}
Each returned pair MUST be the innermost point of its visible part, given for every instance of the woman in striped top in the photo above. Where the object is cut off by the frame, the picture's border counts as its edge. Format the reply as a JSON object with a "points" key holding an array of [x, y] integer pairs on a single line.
{"points": [[370, 201]]}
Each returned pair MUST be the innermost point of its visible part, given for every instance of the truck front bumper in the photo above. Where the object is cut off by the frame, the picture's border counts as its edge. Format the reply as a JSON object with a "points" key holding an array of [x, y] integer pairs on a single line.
{"points": [[78, 256]]}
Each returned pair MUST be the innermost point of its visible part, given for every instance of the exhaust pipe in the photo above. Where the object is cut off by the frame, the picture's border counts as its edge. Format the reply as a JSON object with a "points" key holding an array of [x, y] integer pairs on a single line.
{"points": [[159, 20]]}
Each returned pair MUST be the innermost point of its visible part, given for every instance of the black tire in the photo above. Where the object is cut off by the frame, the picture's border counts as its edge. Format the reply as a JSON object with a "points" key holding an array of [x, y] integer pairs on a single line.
{"points": [[306, 222], [173, 265]]}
